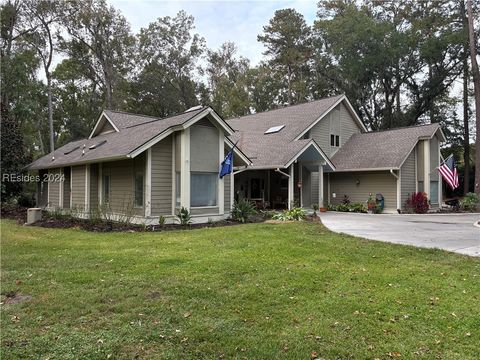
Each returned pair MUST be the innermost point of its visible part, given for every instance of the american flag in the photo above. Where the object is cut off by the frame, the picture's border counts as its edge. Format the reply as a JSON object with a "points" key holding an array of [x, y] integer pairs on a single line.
{"points": [[449, 172]]}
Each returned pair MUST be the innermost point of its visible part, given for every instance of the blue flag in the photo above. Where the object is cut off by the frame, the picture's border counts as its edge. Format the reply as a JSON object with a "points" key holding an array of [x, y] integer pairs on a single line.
{"points": [[227, 164]]}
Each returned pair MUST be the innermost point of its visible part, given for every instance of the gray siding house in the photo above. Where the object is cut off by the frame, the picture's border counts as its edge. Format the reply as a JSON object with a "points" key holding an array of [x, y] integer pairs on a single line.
{"points": [[143, 167], [317, 152]]}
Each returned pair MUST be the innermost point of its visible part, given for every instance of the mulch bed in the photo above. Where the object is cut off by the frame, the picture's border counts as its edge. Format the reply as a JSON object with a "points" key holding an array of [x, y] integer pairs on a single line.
{"points": [[19, 214], [14, 212]]}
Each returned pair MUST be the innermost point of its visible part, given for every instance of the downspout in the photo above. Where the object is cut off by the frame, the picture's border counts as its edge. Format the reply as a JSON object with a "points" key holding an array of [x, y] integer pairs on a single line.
{"points": [[394, 175], [281, 172]]}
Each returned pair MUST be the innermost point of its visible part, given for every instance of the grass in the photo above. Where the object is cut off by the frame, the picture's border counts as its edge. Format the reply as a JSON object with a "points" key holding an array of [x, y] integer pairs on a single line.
{"points": [[256, 291]]}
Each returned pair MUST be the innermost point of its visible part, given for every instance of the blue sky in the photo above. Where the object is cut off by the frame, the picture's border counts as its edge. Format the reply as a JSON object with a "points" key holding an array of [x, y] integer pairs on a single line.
{"points": [[218, 21]]}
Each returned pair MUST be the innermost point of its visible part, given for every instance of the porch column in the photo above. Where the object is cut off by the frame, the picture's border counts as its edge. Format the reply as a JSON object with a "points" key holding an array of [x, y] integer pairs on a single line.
{"points": [[232, 190], [221, 182], [300, 179], [185, 168], [320, 185], [426, 168], [148, 183], [290, 186]]}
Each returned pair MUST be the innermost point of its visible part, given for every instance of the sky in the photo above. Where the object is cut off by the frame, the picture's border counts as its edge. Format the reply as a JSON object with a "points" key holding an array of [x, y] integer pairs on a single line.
{"points": [[218, 21]]}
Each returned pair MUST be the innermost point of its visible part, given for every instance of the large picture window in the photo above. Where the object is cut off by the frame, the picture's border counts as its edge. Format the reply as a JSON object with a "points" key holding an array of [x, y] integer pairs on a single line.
{"points": [[138, 189], [203, 189]]}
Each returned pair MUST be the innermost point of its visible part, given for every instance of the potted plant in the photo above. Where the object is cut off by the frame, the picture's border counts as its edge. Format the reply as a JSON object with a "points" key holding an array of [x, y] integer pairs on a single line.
{"points": [[371, 204]]}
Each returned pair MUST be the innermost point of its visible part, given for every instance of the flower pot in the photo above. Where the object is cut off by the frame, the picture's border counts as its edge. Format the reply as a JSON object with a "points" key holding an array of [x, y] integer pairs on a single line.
{"points": [[323, 209]]}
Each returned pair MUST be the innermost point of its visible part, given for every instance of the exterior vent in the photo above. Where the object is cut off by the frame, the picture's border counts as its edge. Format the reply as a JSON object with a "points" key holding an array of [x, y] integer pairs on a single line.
{"points": [[94, 146], [71, 150], [274, 129], [198, 107]]}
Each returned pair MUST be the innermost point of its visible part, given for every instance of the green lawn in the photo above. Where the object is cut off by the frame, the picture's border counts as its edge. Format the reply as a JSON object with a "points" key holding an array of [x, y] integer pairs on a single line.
{"points": [[257, 291]]}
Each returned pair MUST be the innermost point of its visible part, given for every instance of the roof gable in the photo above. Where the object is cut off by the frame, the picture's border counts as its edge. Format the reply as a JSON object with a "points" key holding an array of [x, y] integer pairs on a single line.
{"points": [[103, 125], [133, 134], [382, 150]]}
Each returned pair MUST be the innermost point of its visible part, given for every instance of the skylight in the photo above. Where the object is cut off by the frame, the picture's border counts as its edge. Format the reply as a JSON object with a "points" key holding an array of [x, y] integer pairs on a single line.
{"points": [[274, 129]]}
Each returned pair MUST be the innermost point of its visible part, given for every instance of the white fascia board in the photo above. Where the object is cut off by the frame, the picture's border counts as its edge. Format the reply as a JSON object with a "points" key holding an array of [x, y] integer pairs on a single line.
{"points": [[238, 152], [355, 115], [368, 169], [320, 151], [320, 117], [183, 126], [98, 123], [225, 127]]}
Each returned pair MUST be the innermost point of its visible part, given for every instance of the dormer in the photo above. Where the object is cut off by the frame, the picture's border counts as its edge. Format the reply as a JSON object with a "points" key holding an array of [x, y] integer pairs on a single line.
{"points": [[103, 126]]}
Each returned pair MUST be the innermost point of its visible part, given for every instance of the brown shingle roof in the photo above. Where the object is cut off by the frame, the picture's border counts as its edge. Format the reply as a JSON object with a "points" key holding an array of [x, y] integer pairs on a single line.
{"points": [[135, 130], [382, 149], [278, 148]]}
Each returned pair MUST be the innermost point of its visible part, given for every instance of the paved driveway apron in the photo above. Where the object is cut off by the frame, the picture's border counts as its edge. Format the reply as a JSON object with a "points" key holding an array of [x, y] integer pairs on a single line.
{"points": [[452, 232]]}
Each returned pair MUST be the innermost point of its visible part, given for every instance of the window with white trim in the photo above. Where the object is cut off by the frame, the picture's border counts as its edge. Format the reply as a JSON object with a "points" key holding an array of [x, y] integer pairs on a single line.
{"points": [[203, 187], [334, 140], [138, 188], [177, 188], [106, 189], [434, 192]]}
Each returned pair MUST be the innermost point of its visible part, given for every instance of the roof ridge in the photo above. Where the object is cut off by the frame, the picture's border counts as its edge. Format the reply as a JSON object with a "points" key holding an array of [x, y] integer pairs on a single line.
{"points": [[134, 114], [286, 107], [164, 118], [398, 128], [152, 116]]}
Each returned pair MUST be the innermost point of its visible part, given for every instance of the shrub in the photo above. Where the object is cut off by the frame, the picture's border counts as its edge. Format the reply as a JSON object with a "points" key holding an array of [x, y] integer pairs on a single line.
{"points": [[354, 207], [315, 208], [161, 221], [184, 217], [294, 214], [470, 202], [242, 210], [417, 203]]}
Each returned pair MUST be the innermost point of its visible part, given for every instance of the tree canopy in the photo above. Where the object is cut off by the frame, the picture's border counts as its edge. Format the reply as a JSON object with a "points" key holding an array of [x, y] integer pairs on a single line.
{"points": [[397, 62]]}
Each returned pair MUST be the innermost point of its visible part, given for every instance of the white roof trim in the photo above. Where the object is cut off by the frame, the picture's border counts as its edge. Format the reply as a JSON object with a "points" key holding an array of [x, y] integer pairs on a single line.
{"points": [[349, 107], [217, 117], [98, 123], [320, 151], [369, 169], [443, 139], [183, 126], [238, 152]]}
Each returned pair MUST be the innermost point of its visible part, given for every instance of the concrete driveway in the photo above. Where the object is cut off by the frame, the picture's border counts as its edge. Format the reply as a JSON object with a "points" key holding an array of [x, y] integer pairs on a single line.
{"points": [[451, 232]]}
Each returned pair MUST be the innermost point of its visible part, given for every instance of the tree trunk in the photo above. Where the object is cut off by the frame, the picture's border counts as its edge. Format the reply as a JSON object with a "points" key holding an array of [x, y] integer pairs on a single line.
{"points": [[476, 86], [289, 85], [466, 130], [50, 111]]}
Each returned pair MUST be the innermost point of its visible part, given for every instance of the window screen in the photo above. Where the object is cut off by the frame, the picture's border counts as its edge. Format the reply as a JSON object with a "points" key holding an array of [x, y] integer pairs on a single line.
{"points": [[203, 189]]}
